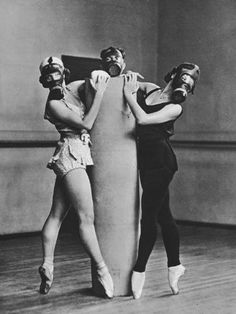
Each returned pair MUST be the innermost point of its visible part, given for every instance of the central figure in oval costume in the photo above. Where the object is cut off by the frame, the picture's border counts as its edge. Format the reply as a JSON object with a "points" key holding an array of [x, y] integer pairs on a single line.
{"points": [[115, 176], [115, 181]]}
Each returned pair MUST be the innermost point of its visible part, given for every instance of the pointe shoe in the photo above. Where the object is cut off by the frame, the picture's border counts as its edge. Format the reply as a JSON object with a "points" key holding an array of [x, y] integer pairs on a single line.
{"points": [[174, 273], [137, 283], [46, 279], [106, 281]]}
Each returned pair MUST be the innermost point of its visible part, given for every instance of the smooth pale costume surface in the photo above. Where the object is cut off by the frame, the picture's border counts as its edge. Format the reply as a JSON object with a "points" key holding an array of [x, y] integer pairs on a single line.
{"points": [[115, 184]]}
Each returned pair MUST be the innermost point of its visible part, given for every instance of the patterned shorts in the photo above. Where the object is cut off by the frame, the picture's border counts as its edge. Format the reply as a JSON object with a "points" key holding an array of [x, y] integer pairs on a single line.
{"points": [[71, 153]]}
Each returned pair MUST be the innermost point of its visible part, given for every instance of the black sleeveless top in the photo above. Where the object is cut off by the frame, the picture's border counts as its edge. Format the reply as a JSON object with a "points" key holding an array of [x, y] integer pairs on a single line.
{"points": [[153, 131], [154, 149]]}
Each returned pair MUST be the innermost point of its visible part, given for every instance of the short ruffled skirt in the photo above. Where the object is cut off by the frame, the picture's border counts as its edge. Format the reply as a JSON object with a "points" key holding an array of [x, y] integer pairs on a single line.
{"points": [[71, 153]]}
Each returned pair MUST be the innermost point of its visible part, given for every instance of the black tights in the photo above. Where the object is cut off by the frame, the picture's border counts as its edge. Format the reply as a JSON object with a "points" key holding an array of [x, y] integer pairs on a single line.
{"points": [[155, 208]]}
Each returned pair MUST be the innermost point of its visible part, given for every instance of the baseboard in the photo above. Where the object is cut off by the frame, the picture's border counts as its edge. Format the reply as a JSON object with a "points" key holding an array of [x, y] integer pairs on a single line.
{"points": [[179, 222], [205, 224]]}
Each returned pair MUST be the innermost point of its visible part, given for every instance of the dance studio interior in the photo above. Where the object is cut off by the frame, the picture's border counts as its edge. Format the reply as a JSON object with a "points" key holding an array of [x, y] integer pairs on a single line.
{"points": [[156, 35]]}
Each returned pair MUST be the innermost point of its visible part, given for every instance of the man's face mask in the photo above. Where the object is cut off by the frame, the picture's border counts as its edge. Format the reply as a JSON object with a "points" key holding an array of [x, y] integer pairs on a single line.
{"points": [[114, 63], [184, 78]]}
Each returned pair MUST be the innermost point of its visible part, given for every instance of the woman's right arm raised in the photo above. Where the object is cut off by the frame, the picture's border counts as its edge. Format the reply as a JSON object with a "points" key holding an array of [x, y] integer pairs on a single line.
{"points": [[73, 119]]}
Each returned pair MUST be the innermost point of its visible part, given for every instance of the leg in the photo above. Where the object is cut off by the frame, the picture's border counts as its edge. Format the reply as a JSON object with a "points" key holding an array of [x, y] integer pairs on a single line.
{"points": [[155, 184], [155, 188], [147, 236], [60, 207], [78, 189], [170, 237], [170, 233]]}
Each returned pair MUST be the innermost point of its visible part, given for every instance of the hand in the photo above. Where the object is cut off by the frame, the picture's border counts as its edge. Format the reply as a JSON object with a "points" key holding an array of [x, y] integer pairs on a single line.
{"points": [[135, 73], [99, 80], [131, 84]]}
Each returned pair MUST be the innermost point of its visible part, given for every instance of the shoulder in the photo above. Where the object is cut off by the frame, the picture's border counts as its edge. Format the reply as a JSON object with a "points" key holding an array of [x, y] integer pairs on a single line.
{"points": [[175, 110], [53, 104], [76, 83], [75, 86], [147, 86]]}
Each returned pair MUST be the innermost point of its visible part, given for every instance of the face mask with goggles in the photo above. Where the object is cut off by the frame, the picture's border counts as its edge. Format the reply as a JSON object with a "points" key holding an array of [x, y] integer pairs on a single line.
{"points": [[113, 62], [52, 76], [183, 80]]}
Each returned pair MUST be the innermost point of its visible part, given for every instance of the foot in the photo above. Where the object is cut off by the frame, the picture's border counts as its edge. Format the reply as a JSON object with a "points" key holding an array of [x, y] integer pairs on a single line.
{"points": [[137, 283], [174, 273], [46, 279], [106, 281]]}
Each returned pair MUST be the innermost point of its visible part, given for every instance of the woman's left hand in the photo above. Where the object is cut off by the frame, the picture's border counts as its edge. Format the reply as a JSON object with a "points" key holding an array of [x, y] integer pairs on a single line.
{"points": [[131, 84]]}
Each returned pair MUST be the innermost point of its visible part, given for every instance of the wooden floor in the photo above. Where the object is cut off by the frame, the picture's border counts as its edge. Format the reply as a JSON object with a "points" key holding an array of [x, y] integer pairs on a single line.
{"points": [[209, 285]]}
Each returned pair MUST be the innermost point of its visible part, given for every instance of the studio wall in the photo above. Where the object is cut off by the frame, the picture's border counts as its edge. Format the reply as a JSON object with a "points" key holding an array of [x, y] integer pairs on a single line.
{"points": [[33, 30], [156, 36], [203, 32]]}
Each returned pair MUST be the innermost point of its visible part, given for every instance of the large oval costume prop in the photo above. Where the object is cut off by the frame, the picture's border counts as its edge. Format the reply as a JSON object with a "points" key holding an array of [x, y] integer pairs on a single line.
{"points": [[114, 181]]}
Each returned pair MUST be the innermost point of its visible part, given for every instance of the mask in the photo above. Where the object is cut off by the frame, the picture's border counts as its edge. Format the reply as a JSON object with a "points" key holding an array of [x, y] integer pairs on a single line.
{"points": [[183, 82], [56, 92], [113, 68], [52, 77], [113, 63]]}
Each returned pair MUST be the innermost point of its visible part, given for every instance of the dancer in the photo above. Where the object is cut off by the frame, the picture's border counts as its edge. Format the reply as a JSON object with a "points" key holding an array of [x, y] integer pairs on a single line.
{"points": [[156, 110], [72, 188]]}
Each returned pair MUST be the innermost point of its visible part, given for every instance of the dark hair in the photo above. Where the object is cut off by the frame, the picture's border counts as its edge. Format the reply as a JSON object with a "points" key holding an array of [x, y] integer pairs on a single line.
{"points": [[110, 50]]}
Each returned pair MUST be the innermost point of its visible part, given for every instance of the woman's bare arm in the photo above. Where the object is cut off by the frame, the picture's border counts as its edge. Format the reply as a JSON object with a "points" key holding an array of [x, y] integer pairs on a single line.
{"points": [[73, 119], [168, 113]]}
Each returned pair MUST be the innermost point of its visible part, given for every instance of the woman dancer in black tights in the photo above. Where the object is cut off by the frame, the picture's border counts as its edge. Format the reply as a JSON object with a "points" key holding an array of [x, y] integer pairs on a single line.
{"points": [[155, 114]]}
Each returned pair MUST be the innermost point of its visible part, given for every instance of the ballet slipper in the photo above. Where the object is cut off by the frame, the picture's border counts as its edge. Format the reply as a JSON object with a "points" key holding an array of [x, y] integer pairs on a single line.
{"points": [[174, 274], [106, 281], [137, 283], [46, 279]]}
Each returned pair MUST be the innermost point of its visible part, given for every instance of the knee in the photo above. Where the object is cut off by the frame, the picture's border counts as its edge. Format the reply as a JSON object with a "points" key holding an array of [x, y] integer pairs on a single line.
{"points": [[86, 219], [53, 222], [50, 227], [166, 222], [48, 232], [57, 217], [148, 223]]}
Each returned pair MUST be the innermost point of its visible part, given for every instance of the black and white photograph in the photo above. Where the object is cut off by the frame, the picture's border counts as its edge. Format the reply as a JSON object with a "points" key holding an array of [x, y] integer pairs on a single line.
{"points": [[118, 157]]}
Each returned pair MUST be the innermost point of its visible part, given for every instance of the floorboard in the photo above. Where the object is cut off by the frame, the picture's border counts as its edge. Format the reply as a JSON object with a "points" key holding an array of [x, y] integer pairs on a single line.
{"points": [[209, 285]]}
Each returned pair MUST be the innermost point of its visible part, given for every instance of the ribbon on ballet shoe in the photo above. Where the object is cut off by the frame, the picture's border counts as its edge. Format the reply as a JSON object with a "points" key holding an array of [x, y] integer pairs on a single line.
{"points": [[105, 279], [46, 279]]}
